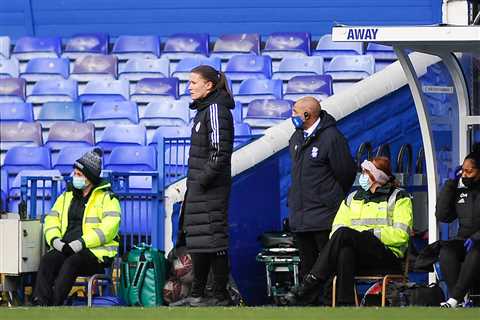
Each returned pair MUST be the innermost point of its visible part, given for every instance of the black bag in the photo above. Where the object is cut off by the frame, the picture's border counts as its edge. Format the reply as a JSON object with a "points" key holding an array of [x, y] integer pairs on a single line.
{"points": [[277, 240], [426, 295]]}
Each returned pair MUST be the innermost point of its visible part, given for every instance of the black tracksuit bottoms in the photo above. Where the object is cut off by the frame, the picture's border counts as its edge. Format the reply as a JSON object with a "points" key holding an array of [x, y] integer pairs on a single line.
{"points": [[218, 262]]}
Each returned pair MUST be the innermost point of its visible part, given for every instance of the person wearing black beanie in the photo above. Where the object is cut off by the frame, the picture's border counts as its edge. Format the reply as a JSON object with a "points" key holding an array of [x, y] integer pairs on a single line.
{"points": [[460, 257], [81, 230]]}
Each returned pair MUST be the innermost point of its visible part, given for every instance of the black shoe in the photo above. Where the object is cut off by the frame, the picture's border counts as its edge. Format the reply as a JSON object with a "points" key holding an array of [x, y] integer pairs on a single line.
{"points": [[299, 295], [213, 302], [187, 302]]}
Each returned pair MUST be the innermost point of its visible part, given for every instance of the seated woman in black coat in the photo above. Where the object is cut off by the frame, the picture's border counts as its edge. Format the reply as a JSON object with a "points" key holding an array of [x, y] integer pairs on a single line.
{"points": [[460, 257]]}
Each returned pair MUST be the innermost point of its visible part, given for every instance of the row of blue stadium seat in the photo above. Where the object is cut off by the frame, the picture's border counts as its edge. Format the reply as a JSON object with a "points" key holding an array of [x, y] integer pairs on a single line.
{"points": [[103, 113], [178, 45], [163, 89], [99, 67]]}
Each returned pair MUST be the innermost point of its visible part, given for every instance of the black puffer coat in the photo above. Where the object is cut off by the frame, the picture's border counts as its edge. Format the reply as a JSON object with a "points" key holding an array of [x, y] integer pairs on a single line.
{"points": [[461, 203], [209, 174]]}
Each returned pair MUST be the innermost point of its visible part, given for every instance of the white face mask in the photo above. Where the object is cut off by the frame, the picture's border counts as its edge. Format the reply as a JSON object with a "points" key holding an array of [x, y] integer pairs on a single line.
{"points": [[365, 182], [79, 182]]}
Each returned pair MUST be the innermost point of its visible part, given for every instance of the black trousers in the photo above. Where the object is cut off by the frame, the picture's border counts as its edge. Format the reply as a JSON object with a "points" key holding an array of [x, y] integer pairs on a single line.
{"points": [[310, 244], [349, 253], [460, 269], [218, 262], [57, 273]]}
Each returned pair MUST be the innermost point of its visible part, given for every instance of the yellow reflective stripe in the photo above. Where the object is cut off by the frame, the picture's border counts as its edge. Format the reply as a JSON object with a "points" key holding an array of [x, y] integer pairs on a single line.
{"points": [[51, 228], [402, 226], [111, 214], [53, 214], [100, 235], [92, 220]]}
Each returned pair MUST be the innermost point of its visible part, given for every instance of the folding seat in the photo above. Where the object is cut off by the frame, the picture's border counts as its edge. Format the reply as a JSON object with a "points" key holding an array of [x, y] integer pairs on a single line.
{"points": [[346, 70], [237, 112], [155, 90], [384, 55], [252, 89], [52, 112], [5, 47], [95, 68], [265, 113], [132, 158], [140, 68], [185, 66], [9, 68], [14, 112], [46, 69], [20, 133], [329, 49], [183, 45], [105, 113], [122, 135], [112, 90], [12, 90], [136, 47], [229, 45], [291, 67], [287, 44], [319, 87], [67, 157], [169, 132], [86, 44], [173, 113], [243, 134], [70, 134], [53, 91], [244, 67], [27, 48]]}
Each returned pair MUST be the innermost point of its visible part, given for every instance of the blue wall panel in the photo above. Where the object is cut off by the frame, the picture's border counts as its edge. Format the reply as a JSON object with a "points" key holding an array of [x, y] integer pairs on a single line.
{"points": [[59, 17]]}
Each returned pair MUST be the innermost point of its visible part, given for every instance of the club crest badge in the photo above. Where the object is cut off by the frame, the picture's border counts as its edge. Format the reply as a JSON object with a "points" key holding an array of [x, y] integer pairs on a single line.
{"points": [[314, 152]]}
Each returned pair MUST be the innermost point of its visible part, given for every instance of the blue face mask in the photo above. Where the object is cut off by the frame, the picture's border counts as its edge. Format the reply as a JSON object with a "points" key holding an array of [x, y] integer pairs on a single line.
{"points": [[364, 182], [297, 122], [79, 182]]}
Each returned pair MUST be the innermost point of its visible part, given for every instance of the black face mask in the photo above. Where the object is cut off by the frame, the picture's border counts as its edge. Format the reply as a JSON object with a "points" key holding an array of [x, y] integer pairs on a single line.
{"points": [[469, 182]]}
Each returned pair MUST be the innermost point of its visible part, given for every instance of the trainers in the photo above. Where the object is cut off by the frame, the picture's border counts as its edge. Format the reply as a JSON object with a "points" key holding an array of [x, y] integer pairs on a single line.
{"points": [[187, 302]]}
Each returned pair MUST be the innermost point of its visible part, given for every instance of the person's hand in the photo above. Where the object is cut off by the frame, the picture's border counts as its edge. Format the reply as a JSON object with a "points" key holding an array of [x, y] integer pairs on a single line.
{"points": [[58, 244], [468, 244], [76, 245]]}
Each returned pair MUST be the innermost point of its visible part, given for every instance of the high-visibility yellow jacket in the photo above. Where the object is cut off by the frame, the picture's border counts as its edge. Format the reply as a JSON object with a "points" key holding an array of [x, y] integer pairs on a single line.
{"points": [[101, 221], [388, 212]]}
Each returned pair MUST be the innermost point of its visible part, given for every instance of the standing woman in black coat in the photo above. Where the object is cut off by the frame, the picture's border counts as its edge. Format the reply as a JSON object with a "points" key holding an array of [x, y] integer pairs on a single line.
{"points": [[208, 185], [460, 257]]}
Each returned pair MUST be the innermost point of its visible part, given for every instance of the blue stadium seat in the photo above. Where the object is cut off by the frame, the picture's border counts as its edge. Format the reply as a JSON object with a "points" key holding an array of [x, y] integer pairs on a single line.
{"points": [[113, 90], [70, 134], [138, 68], [381, 52], [169, 132], [319, 87], [155, 90], [244, 67], [67, 157], [122, 135], [287, 44], [53, 91], [265, 113], [132, 158], [86, 44], [9, 68], [237, 112], [95, 68], [105, 113], [229, 45], [185, 66], [16, 112], [52, 112], [351, 68], [20, 133], [12, 90], [5, 47], [183, 45], [291, 67], [46, 69], [27, 48], [172, 113], [134, 47], [329, 49], [252, 89], [242, 129]]}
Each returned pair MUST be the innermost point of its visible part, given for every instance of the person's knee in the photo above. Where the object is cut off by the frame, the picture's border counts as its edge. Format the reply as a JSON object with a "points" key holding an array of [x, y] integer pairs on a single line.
{"points": [[343, 233]]}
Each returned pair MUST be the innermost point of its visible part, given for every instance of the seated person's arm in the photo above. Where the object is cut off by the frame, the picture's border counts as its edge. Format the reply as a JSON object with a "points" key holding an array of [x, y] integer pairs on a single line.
{"points": [[108, 228], [53, 221], [445, 209], [342, 219], [398, 233]]}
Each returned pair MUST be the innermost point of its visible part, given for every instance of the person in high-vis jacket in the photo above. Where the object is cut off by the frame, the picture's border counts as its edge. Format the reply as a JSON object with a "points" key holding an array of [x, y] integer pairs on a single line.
{"points": [[370, 233], [460, 257], [81, 229]]}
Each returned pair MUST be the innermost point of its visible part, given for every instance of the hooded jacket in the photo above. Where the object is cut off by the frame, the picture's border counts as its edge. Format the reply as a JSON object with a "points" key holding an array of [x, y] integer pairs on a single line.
{"points": [[322, 173], [209, 174]]}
